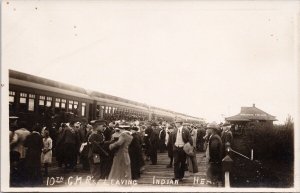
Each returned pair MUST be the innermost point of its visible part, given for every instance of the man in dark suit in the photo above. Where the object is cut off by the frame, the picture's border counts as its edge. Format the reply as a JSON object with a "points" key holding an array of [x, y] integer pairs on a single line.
{"points": [[214, 171], [34, 144], [200, 141], [154, 143], [135, 154], [180, 136], [169, 145], [226, 136], [162, 139], [148, 132]]}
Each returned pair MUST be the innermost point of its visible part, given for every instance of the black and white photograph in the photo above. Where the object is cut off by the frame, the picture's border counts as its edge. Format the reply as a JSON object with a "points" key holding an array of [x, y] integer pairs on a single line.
{"points": [[150, 95]]}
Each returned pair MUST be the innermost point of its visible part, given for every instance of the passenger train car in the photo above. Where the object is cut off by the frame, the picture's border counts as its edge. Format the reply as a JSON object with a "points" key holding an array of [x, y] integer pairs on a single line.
{"points": [[37, 99]]}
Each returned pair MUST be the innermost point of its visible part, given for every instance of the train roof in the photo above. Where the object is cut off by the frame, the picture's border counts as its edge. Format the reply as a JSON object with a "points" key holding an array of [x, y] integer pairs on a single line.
{"points": [[115, 98], [25, 83], [47, 82]]}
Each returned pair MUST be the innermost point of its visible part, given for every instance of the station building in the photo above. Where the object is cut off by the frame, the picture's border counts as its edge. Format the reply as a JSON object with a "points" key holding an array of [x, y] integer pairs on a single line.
{"points": [[251, 114]]}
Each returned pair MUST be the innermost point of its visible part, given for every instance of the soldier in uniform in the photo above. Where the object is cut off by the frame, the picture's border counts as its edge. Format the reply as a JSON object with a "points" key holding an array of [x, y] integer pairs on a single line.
{"points": [[107, 159], [95, 141]]}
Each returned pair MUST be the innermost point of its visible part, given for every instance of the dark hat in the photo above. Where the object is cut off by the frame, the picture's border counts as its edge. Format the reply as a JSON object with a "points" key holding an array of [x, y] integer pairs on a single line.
{"points": [[134, 128], [98, 122], [72, 122], [154, 124], [172, 125], [226, 124]]}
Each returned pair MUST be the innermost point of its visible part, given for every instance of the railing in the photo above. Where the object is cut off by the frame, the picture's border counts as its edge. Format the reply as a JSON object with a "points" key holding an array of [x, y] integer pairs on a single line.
{"points": [[227, 163]]}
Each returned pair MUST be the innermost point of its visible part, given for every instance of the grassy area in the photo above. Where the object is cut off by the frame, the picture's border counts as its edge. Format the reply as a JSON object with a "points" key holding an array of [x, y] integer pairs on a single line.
{"points": [[274, 149]]}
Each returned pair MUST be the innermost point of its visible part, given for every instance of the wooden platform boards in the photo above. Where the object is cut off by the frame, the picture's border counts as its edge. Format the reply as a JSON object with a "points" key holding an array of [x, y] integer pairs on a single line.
{"points": [[153, 175]]}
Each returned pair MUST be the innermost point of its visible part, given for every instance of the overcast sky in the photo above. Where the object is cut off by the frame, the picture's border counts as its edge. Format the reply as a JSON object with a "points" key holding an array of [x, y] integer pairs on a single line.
{"points": [[206, 59]]}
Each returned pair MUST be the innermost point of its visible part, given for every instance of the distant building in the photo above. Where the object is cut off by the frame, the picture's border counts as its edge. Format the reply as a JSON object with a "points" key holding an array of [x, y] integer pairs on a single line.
{"points": [[251, 114]]}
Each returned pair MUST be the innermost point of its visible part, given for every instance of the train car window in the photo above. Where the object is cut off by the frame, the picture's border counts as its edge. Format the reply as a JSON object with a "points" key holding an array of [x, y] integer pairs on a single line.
{"points": [[70, 105], [49, 101], [98, 113], [42, 100], [31, 102], [31, 96], [57, 102], [106, 110], [109, 110], [75, 104], [12, 104], [23, 101], [83, 107], [23, 97], [12, 96], [63, 103]]}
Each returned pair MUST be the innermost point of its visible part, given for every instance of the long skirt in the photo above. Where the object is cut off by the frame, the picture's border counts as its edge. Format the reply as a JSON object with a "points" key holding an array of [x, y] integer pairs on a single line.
{"points": [[120, 169]]}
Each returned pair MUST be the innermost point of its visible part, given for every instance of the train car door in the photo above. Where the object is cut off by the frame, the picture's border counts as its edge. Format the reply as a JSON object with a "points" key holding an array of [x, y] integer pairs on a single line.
{"points": [[92, 111]]}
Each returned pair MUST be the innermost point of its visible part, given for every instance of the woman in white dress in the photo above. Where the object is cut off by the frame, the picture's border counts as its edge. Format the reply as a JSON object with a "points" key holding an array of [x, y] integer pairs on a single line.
{"points": [[46, 157]]}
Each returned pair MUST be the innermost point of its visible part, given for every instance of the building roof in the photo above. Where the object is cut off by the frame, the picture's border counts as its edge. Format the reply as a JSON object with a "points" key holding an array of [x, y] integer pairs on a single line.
{"points": [[251, 114]]}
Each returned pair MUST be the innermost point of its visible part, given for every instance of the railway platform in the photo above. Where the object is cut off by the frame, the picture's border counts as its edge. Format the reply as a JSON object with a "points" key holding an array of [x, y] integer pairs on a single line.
{"points": [[153, 175]]}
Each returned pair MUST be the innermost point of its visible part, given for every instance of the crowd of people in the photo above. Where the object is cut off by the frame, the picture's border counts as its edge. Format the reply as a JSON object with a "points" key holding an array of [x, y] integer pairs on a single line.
{"points": [[114, 150]]}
